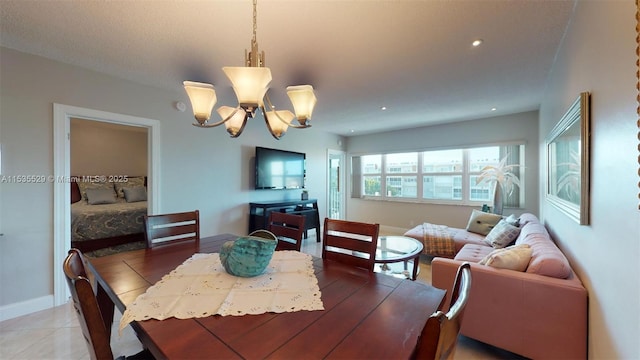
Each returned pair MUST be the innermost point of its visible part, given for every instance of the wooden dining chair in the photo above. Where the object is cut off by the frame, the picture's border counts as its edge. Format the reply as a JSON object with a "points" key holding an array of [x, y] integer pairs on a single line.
{"points": [[439, 336], [350, 242], [289, 228], [94, 327], [166, 229]]}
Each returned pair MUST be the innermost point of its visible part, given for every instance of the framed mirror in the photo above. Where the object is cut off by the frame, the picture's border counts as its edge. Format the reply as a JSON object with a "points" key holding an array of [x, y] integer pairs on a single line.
{"points": [[568, 161]]}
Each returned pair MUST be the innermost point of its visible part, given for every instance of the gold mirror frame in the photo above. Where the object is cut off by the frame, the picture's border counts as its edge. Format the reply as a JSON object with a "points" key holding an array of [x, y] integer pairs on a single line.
{"points": [[568, 153]]}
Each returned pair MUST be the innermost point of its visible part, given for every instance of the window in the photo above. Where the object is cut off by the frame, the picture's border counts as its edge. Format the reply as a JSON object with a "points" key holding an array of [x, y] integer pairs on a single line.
{"points": [[439, 176], [442, 175]]}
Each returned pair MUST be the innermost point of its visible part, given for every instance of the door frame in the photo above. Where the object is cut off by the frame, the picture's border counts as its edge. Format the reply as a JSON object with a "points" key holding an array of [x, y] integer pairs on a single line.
{"points": [[341, 179], [62, 115]]}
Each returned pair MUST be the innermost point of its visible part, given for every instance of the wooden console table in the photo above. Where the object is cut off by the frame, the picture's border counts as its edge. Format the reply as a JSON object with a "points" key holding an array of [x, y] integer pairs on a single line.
{"points": [[259, 213]]}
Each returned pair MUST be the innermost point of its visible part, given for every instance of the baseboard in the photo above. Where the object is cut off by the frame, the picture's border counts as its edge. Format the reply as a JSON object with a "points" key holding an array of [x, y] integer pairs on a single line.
{"points": [[25, 307], [390, 230]]}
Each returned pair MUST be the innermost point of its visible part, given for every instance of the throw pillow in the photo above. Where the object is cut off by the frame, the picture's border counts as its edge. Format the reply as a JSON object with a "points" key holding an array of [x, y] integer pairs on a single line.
{"points": [[502, 234], [131, 182], [513, 220], [135, 194], [514, 257], [100, 196], [481, 222]]}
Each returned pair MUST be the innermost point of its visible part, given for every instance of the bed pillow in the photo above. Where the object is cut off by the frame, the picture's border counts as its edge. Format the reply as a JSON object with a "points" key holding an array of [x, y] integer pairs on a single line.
{"points": [[130, 183], [100, 196], [481, 222], [135, 194], [502, 234], [95, 184], [514, 257]]}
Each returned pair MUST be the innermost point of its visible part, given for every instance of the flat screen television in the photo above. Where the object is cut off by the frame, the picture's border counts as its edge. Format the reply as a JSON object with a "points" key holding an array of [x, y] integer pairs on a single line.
{"points": [[279, 169]]}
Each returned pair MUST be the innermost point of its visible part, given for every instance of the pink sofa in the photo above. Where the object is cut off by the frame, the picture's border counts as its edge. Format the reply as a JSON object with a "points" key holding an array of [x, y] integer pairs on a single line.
{"points": [[540, 313]]}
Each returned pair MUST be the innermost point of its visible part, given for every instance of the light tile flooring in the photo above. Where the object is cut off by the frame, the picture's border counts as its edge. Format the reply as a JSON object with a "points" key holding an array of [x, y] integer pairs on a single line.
{"points": [[55, 333]]}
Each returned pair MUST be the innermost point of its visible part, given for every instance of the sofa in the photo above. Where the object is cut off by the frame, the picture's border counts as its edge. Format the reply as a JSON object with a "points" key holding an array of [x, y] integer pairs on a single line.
{"points": [[537, 309]]}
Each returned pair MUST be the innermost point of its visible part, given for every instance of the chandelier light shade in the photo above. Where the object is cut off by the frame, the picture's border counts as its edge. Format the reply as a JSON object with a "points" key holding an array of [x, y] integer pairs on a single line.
{"points": [[251, 84], [203, 99], [278, 122], [303, 100], [237, 119]]}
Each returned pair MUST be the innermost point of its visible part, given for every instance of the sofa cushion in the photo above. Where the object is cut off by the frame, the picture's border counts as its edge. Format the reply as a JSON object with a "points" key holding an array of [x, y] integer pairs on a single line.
{"points": [[546, 258], [462, 237], [514, 257], [526, 218], [473, 253], [502, 234], [481, 222]]}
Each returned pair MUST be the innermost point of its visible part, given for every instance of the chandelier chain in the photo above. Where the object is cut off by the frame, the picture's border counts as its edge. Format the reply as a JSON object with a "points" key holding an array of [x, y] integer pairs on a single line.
{"points": [[255, 21]]}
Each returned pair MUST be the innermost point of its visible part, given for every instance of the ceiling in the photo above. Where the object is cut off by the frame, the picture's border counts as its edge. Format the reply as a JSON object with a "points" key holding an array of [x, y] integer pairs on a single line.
{"points": [[413, 57]]}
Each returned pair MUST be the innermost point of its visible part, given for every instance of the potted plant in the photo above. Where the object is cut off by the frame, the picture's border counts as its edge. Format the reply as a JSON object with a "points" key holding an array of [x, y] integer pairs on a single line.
{"points": [[502, 179]]}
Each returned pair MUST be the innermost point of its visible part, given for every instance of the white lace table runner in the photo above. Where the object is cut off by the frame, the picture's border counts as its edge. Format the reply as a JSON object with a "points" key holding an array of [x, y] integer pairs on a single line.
{"points": [[201, 287]]}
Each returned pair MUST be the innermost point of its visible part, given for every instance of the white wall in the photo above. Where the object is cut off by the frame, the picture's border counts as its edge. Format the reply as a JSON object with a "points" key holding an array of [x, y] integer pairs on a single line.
{"points": [[99, 148], [598, 55], [201, 169], [516, 127]]}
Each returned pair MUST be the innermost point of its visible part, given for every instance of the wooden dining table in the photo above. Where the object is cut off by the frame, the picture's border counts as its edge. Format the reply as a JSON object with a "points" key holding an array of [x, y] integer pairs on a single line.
{"points": [[366, 315]]}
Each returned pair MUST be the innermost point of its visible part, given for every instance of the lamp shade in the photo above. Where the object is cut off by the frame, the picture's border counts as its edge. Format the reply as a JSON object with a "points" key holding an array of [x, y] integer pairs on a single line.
{"points": [[278, 122], [249, 83], [237, 119], [203, 98], [304, 100]]}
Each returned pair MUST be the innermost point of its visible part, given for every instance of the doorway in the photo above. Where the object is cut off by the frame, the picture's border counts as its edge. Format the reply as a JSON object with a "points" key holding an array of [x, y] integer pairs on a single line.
{"points": [[336, 184], [62, 115]]}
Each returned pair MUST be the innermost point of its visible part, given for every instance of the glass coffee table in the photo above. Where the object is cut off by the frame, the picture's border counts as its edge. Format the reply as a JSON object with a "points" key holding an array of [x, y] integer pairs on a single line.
{"points": [[394, 249]]}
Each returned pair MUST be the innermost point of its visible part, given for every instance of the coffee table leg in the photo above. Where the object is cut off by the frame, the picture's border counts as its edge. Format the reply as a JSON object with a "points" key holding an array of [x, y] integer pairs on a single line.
{"points": [[416, 265]]}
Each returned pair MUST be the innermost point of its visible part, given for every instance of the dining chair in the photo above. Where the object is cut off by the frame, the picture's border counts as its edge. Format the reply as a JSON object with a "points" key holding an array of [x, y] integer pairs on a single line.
{"points": [[350, 242], [439, 336], [163, 229], [94, 327], [289, 228]]}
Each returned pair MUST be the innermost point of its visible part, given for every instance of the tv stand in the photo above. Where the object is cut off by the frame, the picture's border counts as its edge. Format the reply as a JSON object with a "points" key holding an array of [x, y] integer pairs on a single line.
{"points": [[259, 213]]}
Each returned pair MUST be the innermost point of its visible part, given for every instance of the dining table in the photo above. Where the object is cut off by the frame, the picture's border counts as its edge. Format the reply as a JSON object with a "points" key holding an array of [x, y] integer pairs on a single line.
{"points": [[366, 315]]}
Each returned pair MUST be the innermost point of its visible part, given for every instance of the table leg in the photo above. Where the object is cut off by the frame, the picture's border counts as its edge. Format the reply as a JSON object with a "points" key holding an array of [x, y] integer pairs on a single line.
{"points": [[416, 265]]}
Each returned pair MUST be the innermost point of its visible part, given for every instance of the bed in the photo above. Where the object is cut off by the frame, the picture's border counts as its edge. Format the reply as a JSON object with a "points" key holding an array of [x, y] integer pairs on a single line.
{"points": [[107, 211]]}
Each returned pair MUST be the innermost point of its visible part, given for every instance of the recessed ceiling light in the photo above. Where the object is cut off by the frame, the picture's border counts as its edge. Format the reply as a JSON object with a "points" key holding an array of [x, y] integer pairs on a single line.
{"points": [[383, 108], [477, 42], [494, 109]]}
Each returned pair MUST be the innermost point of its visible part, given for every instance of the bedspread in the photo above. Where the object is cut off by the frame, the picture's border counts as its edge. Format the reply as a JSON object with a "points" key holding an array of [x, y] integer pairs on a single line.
{"points": [[103, 221]]}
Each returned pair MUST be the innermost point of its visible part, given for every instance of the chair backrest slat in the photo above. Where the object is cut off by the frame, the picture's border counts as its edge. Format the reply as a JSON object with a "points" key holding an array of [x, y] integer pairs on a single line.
{"points": [[165, 229], [289, 228], [350, 242]]}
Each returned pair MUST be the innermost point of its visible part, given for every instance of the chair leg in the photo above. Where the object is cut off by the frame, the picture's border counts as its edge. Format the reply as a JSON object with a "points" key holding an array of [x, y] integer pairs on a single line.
{"points": [[142, 355]]}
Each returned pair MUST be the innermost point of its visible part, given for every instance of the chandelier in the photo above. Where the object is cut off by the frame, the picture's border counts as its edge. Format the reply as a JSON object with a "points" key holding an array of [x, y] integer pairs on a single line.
{"points": [[250, 84]]}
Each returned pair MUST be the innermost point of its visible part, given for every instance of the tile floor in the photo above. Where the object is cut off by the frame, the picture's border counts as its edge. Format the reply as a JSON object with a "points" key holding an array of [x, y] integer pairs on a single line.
{"points": [[55, 333]]}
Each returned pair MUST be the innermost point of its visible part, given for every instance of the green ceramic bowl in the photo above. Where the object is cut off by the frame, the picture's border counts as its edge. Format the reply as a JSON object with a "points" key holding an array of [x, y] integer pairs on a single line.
{"points": [[248, 256]]}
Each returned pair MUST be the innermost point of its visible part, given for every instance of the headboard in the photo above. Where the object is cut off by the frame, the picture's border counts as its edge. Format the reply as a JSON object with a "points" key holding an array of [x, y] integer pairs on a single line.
{"points": [[75, 189]]}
